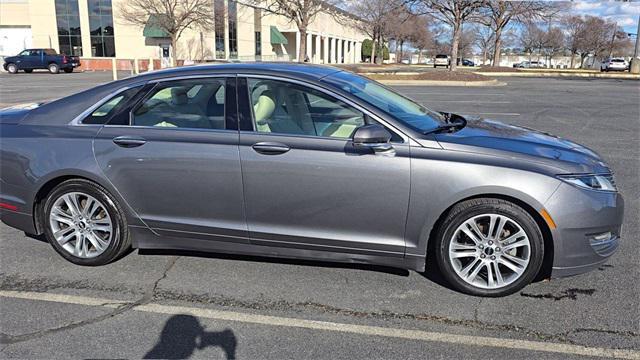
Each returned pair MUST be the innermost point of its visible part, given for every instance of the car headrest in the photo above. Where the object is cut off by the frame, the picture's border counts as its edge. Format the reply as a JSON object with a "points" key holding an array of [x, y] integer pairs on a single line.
{"points": [[179, 96]]}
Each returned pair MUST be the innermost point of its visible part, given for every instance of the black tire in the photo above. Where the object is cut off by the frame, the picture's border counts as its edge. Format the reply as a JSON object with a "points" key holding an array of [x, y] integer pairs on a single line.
{"points": [[12, 68], [470, 208], [68, 70], [28, 71], [121, 240], [435, 66], [53, 68]]}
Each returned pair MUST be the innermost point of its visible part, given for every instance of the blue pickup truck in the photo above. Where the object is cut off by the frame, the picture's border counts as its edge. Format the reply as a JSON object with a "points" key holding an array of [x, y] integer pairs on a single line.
{"points": [[49, 59]]}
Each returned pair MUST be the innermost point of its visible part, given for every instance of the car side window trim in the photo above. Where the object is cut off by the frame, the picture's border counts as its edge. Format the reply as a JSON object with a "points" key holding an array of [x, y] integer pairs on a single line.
{"points": [[249, 126]]}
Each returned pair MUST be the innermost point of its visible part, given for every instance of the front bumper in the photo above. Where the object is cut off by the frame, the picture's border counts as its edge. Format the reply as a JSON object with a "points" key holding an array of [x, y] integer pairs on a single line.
{"points": [[588, 228]]}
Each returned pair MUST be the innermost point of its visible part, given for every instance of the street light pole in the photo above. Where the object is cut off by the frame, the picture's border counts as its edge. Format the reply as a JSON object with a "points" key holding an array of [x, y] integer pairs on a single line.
{"points": [[635, 62]]}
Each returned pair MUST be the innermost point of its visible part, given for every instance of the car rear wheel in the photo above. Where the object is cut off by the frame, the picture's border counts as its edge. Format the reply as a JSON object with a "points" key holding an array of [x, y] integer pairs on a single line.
{"points": [[54, 68], [85, 224], [28, 71], [489, 247], [12, 68]]}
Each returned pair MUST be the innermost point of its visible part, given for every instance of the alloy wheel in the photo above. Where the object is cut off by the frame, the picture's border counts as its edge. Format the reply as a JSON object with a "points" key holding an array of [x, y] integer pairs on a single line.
{"points": [[489, 251], [81, 225]]}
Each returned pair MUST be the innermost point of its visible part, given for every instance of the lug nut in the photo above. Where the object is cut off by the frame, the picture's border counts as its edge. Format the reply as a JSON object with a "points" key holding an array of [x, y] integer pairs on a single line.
{"points": [[497, 249], [481, 246], [483, 256], [490, 242], [493, 258]]}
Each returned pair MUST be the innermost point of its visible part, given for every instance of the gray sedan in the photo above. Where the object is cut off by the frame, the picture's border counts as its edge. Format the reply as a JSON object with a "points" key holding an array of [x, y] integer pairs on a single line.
{"points": [[306, 162]]}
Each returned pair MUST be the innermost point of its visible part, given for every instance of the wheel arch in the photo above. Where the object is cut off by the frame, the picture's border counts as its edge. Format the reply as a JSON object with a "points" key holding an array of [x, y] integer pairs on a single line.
{"points": [[547, 261], [51, 182]]}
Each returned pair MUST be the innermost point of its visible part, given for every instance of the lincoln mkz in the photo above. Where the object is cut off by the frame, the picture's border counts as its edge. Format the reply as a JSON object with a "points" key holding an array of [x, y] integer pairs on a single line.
{"points": [[305, 162]]}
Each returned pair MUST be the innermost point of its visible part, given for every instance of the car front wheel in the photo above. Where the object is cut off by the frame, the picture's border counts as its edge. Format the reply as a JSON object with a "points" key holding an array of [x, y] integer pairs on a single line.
{"points": [[489, 247], [84, 223], [12, 68]]}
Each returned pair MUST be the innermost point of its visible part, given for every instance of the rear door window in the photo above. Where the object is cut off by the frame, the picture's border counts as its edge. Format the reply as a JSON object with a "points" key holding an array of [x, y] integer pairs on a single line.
{"points": [[188, 104]]}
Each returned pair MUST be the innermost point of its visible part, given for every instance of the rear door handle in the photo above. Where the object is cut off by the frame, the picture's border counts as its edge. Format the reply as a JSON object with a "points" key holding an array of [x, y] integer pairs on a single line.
{"points": [[129, 141], [270, 148]]}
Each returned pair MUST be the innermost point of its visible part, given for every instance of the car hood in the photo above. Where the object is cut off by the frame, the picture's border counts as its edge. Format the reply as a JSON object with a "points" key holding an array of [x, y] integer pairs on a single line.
{"points": [[496, 138]]}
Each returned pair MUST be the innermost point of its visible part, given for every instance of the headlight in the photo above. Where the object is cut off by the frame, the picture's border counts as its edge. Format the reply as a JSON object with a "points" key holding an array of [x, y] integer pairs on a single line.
{"points": [[602, 182]]}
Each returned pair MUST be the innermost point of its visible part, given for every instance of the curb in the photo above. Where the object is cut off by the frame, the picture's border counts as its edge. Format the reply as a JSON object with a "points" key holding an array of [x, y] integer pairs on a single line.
{"points": [[442, 83], [560, 74]]}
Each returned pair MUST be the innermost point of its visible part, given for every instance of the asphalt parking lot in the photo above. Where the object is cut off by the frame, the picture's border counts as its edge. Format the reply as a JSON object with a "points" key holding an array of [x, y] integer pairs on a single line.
{"points": [[176, 305]]}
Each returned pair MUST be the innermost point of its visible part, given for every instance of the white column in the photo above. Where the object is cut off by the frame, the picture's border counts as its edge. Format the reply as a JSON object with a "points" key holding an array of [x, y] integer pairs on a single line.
{"points": [[297, 46], [358, 52], [310, 47], [340, 44], [316, 56], [325, 56]]}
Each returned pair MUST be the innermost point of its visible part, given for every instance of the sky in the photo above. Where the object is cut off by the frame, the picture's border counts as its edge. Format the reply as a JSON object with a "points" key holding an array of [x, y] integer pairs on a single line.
{"points": [[624, 13]]}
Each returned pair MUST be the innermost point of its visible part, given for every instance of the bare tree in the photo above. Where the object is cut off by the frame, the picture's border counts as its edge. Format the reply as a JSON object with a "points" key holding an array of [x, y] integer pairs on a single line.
{"points": [[498, 14], [421, 37], [399, 25], [574, 27], [596, 39], [374, 15], [300, 12], [453, 13], [485, 41], [171, 16], [529, 38], [467, 41], [551, 43]]}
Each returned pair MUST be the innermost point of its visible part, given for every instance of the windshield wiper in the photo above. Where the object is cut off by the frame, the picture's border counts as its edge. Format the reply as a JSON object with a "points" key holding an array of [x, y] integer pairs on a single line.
{"points": [[448, 126]]}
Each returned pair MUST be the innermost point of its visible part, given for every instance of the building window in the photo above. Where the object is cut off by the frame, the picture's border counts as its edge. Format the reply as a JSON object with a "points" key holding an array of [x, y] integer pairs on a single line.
{"points": [[258, 43], [218, 14], [233, 29], [101, 27], [68, 21]]}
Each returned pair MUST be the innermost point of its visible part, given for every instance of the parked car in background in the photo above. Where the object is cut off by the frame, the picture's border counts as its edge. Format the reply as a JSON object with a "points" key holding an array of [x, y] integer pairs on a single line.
{"points": [[31, 59], [307, 162], [465, 62], [614, 64], [528, 65], [441, 60]]}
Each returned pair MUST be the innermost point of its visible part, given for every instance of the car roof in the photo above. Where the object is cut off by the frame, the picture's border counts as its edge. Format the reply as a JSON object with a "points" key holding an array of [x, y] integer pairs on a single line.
{"points": [[299, 70]]}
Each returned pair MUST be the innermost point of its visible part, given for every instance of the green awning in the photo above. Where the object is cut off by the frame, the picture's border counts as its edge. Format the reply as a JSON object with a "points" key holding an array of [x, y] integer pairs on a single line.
{"points": [[277, 37], [154, 28]]}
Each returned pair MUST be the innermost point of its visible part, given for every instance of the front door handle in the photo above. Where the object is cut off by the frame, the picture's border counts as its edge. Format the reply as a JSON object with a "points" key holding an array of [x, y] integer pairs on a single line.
{"points": [[270, 148], [129, 141]]}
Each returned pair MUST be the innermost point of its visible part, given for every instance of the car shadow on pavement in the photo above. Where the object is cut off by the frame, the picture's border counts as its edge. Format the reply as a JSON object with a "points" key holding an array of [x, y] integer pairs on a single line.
{"points": [[183, 334], [264, 259]]}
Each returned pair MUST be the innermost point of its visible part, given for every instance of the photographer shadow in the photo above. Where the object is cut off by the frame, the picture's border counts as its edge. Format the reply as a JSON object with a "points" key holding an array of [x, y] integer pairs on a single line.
{"points": [[183, 334]]}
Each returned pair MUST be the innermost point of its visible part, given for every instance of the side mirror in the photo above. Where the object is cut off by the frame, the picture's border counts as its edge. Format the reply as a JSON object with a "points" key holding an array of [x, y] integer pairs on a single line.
{"points": [[373, 136]]}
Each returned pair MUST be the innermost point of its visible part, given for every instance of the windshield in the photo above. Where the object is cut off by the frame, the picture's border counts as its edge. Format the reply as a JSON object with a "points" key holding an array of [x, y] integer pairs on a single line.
{"points": [[414, 115]]}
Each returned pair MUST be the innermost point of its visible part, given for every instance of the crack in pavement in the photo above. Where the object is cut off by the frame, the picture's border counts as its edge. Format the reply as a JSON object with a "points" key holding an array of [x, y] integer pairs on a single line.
{"points": [[565, 294], [153, 293], [121, 308], [283, 305]]}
